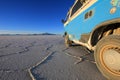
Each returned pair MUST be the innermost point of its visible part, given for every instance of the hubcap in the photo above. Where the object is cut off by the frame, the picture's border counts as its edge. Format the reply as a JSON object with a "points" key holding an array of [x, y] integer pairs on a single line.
{"points": [[111, 59]]}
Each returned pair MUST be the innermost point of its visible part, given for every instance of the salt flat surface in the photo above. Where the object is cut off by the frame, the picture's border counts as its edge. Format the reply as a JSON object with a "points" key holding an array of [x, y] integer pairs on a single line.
{"points": [[43, 58]]}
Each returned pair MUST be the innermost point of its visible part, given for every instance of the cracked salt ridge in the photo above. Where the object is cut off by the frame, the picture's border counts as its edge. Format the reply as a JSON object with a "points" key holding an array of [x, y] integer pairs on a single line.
{"points": [[26, 49], [38, 78], [32, 58], [33, 51], [6, 46], [60, 65], [44, 60], [8, 74], [30, 70], [18, 66], [48, 48], [17, 75], [13, 71], [9, 70]]}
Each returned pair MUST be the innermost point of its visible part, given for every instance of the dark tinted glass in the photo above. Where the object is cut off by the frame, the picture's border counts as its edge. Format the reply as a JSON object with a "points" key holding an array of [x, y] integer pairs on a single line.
{"points": [[76, 7]]}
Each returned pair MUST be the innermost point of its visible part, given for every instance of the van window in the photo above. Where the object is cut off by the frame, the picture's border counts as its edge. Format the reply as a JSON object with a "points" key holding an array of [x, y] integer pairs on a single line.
{"points": [[88, 14], [76, 7]]}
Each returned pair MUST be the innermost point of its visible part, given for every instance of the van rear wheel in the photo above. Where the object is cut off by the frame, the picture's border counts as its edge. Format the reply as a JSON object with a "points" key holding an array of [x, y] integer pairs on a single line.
{"points": [[107, 57]]}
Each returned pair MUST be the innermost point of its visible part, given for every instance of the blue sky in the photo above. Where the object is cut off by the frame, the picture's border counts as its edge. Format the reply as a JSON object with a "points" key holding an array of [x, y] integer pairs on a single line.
{"points": [[33, 16]]}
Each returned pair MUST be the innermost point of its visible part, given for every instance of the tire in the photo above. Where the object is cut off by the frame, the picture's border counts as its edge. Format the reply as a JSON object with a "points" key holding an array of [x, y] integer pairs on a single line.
{"points": [[68, 43], [107, 57]]}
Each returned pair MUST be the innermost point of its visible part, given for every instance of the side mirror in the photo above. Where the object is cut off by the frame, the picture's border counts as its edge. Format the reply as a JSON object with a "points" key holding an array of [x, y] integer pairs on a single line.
{"points": [[63, 21]]}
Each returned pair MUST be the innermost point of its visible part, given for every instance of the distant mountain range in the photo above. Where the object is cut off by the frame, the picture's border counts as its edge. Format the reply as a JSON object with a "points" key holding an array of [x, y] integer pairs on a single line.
{"points": [[47, 34], [35, 34]]}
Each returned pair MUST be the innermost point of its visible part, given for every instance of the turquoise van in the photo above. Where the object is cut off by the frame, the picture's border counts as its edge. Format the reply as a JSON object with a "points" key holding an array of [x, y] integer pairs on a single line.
{"points": [[95, 24]]}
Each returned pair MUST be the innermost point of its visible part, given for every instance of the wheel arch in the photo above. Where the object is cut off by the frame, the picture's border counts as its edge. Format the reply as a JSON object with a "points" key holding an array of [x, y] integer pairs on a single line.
{"points": [[98, 31]]}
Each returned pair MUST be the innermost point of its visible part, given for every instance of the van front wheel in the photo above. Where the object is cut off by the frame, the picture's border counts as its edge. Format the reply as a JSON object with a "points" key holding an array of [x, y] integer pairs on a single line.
{"points": [[68, 43], [107, 57]]}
